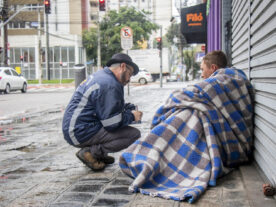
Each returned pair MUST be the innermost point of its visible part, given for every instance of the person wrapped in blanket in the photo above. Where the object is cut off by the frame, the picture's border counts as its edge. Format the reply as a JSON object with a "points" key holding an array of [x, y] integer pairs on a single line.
{"points": [[200, 133]]}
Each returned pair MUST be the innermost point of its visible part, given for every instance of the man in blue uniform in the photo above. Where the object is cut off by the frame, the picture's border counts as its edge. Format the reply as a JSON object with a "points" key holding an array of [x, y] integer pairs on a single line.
{"points": [[97, 117]]}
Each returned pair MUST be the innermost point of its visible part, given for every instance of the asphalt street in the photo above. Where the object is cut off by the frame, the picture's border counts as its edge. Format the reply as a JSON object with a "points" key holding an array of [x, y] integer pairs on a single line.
{"points": [[38, 168]]}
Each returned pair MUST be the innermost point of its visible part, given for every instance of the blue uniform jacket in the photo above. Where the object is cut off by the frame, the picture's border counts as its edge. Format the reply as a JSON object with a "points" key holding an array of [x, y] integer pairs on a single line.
{"points": [[98, 102]]}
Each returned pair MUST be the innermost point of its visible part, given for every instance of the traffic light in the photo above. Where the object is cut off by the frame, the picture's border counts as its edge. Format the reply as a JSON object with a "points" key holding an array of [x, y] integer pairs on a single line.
{"points": [[159, 43], [47, 5], [102, 5]]}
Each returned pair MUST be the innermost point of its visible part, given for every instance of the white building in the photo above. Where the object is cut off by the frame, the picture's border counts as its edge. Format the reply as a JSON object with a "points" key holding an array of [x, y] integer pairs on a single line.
{"points": [[66, 22]]}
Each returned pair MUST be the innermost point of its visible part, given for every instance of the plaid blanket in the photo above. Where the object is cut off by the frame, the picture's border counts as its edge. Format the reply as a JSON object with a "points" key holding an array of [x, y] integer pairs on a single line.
{"points": [[199, 134]]}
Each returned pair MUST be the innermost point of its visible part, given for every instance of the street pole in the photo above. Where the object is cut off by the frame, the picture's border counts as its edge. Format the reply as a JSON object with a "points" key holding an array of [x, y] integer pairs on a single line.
{"points": [[5, 32], [128, 83], [47, 48], [99, 41], [161, 75], [39, 49]]}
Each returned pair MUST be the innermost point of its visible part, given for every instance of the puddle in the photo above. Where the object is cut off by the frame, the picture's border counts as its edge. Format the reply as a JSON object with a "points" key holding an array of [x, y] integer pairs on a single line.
{"points": [[66, 205], [86, 188], [118, 190], [80, 197], [28, 148], [104, 180], [122, 182], [110, 202]]}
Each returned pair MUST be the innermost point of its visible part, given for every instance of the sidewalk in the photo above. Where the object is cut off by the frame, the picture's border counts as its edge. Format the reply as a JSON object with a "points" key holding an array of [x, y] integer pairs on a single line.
{"points": [[38, 168]]}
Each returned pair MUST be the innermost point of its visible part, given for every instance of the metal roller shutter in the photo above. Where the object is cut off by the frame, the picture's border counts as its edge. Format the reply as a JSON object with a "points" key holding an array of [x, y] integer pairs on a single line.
{"points": [[254, 51]]}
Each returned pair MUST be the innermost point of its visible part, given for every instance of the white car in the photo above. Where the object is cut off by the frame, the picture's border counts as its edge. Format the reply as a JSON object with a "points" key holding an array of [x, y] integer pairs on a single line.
{"points": [[10, 80], [143, 77]]}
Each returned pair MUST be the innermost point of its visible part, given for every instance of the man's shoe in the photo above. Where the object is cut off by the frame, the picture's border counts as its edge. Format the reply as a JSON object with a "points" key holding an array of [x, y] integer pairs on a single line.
{"points": [[85, 156], [107, 159]]}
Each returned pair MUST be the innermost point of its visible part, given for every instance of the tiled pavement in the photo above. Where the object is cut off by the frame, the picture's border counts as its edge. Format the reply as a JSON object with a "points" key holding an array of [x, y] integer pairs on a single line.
{"points": [[37, 168]]}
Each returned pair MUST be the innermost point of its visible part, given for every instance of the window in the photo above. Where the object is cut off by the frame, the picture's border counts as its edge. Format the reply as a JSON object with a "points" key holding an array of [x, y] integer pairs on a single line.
{"points": [[14, 73], [64, 54], [7, 71], [71, 54], [56, 54], [93, 17], [93, 4]]}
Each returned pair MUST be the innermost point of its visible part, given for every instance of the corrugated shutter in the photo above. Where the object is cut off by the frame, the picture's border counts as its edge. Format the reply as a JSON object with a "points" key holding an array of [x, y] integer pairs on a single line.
{"points": [[240, 34], [262, 72]]}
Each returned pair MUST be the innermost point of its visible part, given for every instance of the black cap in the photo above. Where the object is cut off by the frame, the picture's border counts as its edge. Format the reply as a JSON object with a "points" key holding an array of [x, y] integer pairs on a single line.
{"points": [[123, 58]]}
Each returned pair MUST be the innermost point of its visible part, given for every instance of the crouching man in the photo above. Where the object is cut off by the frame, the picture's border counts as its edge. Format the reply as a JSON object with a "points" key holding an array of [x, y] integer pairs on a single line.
{"points": [[97, 118]]}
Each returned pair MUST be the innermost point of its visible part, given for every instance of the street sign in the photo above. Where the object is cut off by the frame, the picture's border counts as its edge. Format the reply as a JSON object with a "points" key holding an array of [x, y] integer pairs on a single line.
{"points": [[126, 38]]}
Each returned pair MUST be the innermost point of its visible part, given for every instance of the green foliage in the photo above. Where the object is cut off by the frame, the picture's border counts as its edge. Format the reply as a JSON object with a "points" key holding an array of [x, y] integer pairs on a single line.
{"points": [[110, 28], [191, 65], [174, 31]]}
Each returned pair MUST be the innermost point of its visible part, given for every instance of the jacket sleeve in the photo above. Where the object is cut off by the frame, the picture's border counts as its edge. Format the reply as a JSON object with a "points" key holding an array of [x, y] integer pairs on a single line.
{"points": [[110, 109]]}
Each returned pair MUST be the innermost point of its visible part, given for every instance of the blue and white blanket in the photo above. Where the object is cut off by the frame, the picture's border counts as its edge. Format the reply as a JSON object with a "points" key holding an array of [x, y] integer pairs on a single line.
{"points": [[200, 133]]}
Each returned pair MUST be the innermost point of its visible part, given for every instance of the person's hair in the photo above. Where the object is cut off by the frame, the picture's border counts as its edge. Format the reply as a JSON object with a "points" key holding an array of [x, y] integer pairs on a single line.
{"points": [[216, 57], [115, 65]]}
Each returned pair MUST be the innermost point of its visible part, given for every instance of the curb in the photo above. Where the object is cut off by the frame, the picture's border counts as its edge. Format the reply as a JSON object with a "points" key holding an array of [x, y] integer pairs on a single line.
{"points": [[22, 117]]}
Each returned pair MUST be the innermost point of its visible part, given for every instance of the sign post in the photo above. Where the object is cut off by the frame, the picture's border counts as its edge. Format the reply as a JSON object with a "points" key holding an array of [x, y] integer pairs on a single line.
{"points": [[126, 38], [126, 42]]}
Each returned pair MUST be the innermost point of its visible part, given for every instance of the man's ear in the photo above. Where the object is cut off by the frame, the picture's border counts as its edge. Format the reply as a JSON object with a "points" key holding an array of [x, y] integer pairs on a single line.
{"points": [[214, 67]]}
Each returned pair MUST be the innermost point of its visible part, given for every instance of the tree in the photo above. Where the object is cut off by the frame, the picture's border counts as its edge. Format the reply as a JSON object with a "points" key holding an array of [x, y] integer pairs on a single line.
{"points": [[110, 28], [174, 31], [189, 57], [173, 34]]}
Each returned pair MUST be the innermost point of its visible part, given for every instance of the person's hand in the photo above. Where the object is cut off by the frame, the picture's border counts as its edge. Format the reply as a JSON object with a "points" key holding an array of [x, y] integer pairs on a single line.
{"points": [[137, 115]]}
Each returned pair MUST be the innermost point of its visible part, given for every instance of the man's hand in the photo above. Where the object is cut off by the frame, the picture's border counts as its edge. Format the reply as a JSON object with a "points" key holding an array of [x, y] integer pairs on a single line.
{"points": [[137, 115]]}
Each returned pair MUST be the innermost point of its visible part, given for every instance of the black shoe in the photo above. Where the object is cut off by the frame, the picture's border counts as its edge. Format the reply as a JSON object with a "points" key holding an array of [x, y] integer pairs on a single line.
{"points": [[107, 159], [85, 156]]}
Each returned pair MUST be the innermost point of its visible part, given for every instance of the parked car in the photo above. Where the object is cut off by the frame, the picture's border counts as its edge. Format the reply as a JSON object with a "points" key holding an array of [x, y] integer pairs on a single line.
{"points": [[10, 80], [173, 77], [143, 77]]}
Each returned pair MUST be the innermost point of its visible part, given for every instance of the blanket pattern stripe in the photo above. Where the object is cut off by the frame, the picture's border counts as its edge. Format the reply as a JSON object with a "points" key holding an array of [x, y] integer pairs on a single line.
{"points": [[199, 134]]}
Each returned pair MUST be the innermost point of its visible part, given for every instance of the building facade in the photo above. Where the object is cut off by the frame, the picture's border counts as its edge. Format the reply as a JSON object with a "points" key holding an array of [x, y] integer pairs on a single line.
{"points": [[27, 40]]}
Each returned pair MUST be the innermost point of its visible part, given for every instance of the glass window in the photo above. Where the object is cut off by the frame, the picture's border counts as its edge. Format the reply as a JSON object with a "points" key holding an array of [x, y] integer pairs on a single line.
{"points": [[43, 54], [14, 73], [25, 54], [17, 54], [51, 55], [11, 55], [56, 54], [64, 54], [7, 71], [15, 25], [21, 24], [80, 55], [71, 54], [31, 54]]}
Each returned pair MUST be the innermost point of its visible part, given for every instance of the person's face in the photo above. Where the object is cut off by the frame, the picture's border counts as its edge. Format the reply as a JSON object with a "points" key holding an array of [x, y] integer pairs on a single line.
{"points": [[126, 73], [207, 71]]}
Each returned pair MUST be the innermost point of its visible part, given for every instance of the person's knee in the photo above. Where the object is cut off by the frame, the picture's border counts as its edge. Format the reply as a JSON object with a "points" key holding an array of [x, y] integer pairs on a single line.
{"points": [[136, 134]]}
